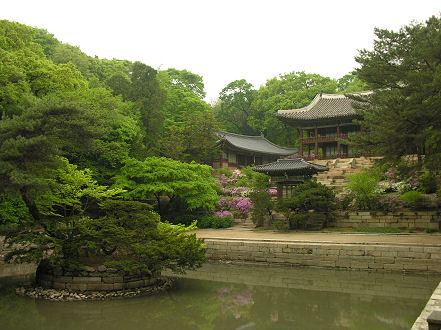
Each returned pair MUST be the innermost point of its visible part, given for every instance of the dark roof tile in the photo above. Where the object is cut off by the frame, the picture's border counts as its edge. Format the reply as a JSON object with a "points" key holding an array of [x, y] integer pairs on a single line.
{"points": [[323, 106], [257, 144], [289, 166]]}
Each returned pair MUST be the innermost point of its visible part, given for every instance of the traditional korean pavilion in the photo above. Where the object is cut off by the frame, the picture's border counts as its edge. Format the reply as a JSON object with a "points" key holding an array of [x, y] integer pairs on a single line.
{"points": [[322, 123], [287, 173], [244, 150]]}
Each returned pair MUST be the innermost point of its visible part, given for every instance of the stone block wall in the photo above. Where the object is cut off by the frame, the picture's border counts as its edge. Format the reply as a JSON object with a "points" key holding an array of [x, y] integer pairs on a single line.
{"points": [[102, 282], [371, 257], [418, 220], [23, 273]]}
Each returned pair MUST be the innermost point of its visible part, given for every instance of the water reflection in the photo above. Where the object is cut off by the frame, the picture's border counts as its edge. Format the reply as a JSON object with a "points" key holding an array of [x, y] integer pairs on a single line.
{"points": [[241, 297]]}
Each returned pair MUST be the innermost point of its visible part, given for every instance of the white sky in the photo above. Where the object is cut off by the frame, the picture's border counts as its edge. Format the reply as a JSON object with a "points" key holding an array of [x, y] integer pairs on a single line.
{"points": [[223, 40]]}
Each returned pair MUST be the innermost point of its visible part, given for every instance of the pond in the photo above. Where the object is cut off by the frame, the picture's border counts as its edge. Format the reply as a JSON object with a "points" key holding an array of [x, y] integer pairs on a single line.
{"points": [[241, 297]]}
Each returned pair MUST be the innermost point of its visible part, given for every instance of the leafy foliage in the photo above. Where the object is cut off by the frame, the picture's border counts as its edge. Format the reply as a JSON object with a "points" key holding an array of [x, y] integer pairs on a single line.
{"points": [[310, 200], [157, 177], [72, 191], [128, 236], [403, 114], [13, 212], [363, 189], [235, 107], [415, 200], [214, 221]]}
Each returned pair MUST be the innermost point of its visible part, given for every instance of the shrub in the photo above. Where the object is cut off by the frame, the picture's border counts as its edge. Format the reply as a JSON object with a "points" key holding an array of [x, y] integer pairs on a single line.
{"points": [[261, 197], [363, 189], [214, 221], [306, 197], [281, 224], [391, 203], [415, 200], [427, 183], [344, 201], [225, 171]]}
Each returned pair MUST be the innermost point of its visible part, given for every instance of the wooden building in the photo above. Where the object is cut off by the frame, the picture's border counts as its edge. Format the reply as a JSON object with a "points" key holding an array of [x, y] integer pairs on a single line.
{"points": [[287, 173], [244, 150], [323, 124]]}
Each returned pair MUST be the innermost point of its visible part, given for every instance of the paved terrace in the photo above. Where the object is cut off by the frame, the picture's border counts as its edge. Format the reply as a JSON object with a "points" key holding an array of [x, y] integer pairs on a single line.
{"points": [[240, 233]]}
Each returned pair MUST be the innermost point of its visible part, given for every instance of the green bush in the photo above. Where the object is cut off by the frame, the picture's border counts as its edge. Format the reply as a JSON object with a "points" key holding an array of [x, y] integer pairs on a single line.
{"points": [[427, 183], [305, 198], [225, 170], [213, 221], [362, 188], [13, 213], [415, 200]]}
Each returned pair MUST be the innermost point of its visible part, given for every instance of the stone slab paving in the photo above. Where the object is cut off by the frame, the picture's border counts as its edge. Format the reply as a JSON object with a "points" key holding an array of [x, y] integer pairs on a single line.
{"points": [[238, 232], [434, 303]]}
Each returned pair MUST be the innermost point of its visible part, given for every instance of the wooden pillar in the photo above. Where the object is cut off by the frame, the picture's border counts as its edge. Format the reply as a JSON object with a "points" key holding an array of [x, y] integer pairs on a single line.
{"points": [[361, 130], [279, 190], [220, 160], [338, 142], [316, 141], [301, 142]]}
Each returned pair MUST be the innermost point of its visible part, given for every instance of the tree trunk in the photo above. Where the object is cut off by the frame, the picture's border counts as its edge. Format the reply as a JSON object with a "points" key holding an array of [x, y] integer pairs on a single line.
{"points": [[33, 210]]}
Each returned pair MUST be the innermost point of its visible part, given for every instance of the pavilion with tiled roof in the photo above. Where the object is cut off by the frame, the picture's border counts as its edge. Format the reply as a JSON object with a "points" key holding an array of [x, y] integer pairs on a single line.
{"points": [[287, 173], [322, 123], [244, 150]]}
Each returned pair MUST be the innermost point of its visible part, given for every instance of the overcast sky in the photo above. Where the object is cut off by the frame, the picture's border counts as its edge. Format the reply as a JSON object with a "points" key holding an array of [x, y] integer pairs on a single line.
{"points": [[223, 40]]}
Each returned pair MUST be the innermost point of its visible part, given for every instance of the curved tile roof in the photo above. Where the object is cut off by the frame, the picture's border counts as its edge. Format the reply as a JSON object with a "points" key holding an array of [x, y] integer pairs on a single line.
{"points": [[289, 166], [257, 144], [323, 106]]}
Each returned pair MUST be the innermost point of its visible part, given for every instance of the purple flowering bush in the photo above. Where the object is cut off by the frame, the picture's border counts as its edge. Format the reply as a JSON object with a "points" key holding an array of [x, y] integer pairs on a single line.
{"points": [[233, 199], [391, 203], [239, 191]]}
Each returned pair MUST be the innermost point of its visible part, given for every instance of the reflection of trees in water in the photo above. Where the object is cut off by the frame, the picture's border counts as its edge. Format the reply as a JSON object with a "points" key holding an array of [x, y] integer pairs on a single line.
{"points": [[17, 312], [196, 304], [302, 309]]}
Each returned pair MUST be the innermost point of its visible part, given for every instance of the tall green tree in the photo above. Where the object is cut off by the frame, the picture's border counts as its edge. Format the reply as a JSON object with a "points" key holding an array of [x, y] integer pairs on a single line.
{"points": [[149, 98], [235, 107], [403, 115], [195, 140], [184, 96], [288, 91], [31, 142]]}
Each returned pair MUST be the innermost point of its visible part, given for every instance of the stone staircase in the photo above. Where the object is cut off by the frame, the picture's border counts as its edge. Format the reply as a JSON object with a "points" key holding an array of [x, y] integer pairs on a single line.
{"points": [[339, 169]]}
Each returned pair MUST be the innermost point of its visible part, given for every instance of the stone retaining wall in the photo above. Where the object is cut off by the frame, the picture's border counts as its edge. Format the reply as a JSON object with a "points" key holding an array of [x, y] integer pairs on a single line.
{"points": [[419, 220], [372, 257], [317, 279], [95, 283], [23, 273], [434, 303]]}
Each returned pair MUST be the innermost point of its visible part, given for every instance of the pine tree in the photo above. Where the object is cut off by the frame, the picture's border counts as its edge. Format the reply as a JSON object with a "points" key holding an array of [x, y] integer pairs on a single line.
{"points": [[403, 115]]}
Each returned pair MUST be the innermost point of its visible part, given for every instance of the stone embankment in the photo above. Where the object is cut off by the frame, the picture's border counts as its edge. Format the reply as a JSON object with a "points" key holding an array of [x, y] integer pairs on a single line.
{"points": [[433, 304], [412, 258], [24, 273], [159, 285], [418, 220]]}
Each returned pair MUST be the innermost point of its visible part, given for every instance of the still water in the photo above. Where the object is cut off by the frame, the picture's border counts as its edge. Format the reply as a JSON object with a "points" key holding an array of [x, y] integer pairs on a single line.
{"points": [[241, 297]]}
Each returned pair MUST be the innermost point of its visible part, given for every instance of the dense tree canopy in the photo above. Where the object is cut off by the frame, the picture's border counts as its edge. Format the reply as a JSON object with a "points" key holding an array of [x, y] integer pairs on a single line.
{"points": [[57, 101], [157, 177], [403, 115], [235, 107]]}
